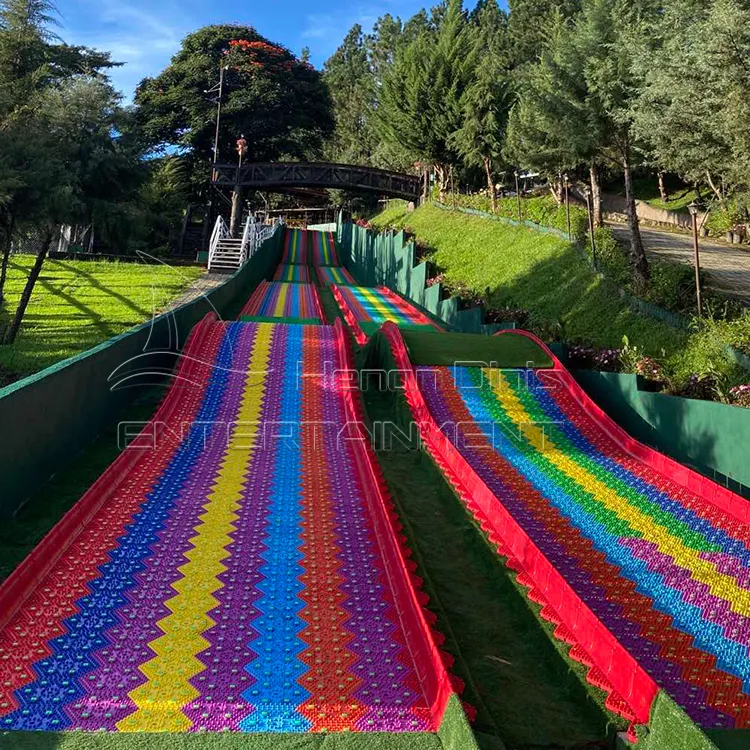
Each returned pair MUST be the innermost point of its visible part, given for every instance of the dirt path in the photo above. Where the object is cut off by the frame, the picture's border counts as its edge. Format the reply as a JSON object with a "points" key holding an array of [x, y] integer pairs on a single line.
{"points": [[729, 267]]}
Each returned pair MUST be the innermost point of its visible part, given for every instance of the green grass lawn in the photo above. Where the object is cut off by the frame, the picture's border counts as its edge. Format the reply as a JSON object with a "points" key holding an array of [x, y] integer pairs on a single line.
{"points": [[535, 271], [78, 304]]}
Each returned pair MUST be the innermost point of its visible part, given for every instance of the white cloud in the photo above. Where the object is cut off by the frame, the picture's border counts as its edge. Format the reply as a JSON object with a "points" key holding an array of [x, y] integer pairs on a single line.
{"points": [[142, 40]]}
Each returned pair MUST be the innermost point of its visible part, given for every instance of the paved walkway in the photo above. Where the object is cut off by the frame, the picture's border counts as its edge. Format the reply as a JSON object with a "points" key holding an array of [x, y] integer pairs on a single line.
{"points": [[728, 266], [202, 285]]}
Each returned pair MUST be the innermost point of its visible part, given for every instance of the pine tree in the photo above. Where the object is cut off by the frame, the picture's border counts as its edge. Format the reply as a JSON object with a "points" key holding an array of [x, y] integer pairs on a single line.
{"points": [[486, 101], [350, 81], [420, 104]]}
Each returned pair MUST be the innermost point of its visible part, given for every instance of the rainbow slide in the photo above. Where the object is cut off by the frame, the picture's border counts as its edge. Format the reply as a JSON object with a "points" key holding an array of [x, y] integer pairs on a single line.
{"points": [[236, 568], [275, 299], [328, 275], [295, 247], [365, 309], [292, 274], [642, 564]]}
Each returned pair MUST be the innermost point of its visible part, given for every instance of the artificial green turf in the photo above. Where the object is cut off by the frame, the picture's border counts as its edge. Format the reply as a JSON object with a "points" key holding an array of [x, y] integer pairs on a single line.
{"points": [[538, 272], [217, 741], [526, 690], [330, 307], [78, 304], [20, 534], [670, 728], [369, 327], [446, 349]]}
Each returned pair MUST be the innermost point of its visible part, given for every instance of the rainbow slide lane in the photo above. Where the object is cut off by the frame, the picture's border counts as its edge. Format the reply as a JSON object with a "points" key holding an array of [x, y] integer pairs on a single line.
{"points": [[292, 274], [295, 247], [642, 564], [328, 275], [237, 568], [367, 308], [276, 299], [322, 249]]}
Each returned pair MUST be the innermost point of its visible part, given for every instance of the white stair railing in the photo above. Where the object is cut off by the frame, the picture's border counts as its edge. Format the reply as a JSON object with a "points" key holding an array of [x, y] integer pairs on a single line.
{"points": [[221, 231]]}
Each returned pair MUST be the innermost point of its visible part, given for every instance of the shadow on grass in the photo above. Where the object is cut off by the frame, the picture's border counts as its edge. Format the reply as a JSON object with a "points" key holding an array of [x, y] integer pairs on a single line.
{"points": [[96, 284]]}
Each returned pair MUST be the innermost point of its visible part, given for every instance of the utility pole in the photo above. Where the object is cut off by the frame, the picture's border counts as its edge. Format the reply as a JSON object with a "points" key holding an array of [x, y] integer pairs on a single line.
{"points": [[219, 88]]}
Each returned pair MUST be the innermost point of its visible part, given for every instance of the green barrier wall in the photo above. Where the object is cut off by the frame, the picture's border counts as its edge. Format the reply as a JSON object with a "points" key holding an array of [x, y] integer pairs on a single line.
{"points": [[388, 259], [49, 417], [710, 437]]}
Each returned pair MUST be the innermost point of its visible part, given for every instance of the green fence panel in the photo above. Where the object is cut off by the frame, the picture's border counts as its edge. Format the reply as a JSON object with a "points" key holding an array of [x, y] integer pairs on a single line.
{"points": [[49, 417], [708, 436]]}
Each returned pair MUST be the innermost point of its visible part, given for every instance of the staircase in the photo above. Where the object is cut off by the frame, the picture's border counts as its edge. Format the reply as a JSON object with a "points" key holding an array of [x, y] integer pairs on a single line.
{"points": [[227, 256], [226, 253]]}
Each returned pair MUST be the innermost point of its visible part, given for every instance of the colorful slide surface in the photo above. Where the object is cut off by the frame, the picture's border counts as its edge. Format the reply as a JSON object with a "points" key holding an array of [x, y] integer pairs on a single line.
{"points": [[277, 299], [295, 247], [323, 249], [303, 246], [237, 574], [328, 275], [644, 565], [367, 308], [292, 274]]}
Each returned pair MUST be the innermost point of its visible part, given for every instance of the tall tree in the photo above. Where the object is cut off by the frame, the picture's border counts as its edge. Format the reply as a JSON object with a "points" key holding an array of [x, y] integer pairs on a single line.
{"points": [[486, 101], [32, 61], [420, 101], [349, 78], [693, 111], [528, 22], [84, 167], [278, 102]]}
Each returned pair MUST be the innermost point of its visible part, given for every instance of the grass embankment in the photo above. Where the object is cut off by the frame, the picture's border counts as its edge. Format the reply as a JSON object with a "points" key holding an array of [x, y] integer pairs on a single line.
{"points": [[78, 304], [518, 267], [537, 272]]}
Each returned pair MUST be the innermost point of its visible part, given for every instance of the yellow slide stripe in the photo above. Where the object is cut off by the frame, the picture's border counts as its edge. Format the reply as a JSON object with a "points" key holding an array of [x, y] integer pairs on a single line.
{"points": [[703, 571], [167, 690], [278, 310]]}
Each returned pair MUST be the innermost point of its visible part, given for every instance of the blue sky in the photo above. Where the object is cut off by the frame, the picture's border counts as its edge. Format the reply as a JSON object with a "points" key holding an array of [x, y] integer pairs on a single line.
{"points": [[144, 34]]}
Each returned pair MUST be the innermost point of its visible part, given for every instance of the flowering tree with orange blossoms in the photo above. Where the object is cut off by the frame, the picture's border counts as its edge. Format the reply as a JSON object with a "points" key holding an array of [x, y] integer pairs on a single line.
{"points": [[277, 101]]}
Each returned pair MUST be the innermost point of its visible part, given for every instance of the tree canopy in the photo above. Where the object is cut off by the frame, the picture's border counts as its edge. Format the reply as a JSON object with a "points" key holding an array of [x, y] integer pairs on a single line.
{"points": [[276, 100]]}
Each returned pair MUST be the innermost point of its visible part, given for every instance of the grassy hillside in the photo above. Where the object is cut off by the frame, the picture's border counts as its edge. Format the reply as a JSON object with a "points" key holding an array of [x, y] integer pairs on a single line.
{"points": [[79, 304], [539, 272], [518, 267]]}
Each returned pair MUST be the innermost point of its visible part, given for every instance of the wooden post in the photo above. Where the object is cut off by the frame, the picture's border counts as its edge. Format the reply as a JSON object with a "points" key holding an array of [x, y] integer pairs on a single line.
{"points": [[693, 208]]}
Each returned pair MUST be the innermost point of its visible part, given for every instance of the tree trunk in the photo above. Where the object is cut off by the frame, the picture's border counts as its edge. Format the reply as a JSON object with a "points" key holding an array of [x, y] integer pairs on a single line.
{"points": [[662, 187], [235, 222], [440, 171], [638, 260], [596, 195], [12, 332], [717, 191], [7, 239], [490, 183]]}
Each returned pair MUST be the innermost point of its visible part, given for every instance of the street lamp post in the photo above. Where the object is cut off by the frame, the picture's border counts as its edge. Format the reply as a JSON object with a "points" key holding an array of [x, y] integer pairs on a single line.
{"points": [[567, 206], [589, 210], [693, 208], [518, 196]]}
